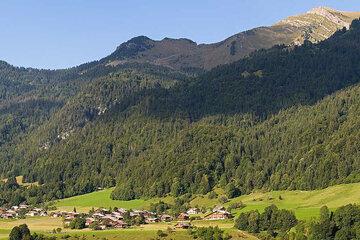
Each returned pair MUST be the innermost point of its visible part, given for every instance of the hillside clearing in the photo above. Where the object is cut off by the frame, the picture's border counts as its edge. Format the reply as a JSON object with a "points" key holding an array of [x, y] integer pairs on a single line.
{"points": [[20, 181]]}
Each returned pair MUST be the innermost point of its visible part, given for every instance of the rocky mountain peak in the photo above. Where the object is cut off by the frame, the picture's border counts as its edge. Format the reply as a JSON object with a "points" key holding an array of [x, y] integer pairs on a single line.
{"points": [[139, 40], [330, 14], [320, 10]]}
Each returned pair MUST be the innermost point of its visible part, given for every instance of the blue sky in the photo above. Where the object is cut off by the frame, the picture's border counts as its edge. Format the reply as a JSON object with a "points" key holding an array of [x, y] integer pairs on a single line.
{"points": [[63, 33]]}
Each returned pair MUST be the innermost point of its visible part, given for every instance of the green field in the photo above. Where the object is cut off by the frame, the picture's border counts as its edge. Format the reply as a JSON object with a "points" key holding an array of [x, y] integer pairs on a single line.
{"points": [[102, 199], [305, 204], [4, 233]]}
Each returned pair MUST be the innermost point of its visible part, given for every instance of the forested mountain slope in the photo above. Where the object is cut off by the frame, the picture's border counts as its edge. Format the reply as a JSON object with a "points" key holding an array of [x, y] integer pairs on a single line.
{"points": [[260, 123], [69, 175], [300, 148], [270, 80], [45, 91], [28, 97]]}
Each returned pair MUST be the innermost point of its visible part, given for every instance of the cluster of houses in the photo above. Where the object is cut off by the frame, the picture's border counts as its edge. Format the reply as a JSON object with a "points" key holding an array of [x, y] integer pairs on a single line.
{"points": [[22, 210], [218, 213], [105, 219]]}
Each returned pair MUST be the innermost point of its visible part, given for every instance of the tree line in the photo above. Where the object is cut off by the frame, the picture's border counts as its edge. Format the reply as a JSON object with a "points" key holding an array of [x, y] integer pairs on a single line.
{"points": [[341, 224]]}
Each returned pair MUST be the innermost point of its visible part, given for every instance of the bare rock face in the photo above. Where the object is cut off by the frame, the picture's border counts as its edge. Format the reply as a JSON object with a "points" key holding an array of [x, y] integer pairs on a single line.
{"points": [[331, 15], [318, 24]]}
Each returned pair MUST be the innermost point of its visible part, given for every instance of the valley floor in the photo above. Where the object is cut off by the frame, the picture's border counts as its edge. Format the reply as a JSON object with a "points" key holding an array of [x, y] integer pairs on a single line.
{"points": [[305, 204], [45, 225]]}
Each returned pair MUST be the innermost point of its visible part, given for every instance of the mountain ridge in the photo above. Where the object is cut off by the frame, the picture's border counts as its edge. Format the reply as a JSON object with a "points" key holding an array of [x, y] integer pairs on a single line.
{"points": [[184, 54], [315, 25]]}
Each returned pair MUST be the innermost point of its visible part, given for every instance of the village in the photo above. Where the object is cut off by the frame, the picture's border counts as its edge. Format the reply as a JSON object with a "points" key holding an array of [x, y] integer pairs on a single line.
{"points": [[117, 218], [22, 211], [102, 219]]}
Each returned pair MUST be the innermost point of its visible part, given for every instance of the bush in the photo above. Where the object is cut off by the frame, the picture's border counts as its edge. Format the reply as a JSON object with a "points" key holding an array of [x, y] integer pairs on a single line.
{"points": [[21, 232], [212, 195], [193, 218], [232, 191], [161, 234], [209, 233], [95, 225], [271, 219], [237, 205], [223, 199], [159, 207], [78, 223]]}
